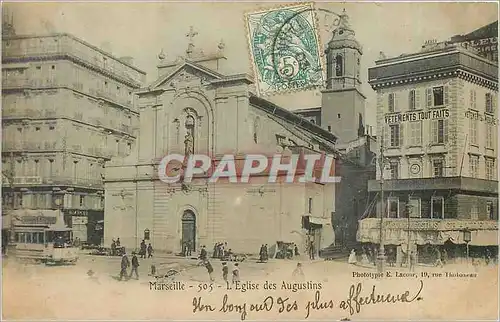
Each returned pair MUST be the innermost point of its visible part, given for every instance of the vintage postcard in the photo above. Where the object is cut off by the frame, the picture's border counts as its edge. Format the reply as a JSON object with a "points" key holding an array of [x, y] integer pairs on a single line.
{"points": [[231, 161]]}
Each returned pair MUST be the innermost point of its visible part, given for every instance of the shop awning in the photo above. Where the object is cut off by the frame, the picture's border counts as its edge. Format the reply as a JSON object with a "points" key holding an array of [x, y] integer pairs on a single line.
{"points": [[318, 220]]}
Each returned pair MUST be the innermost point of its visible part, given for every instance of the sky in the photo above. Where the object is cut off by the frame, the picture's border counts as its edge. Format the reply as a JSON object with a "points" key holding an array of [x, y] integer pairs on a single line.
{"points": [[141, 30]]}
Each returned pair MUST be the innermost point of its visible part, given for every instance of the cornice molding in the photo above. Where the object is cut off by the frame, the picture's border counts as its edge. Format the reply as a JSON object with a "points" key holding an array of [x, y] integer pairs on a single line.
{"points": [[434, 75], [75, 59]]}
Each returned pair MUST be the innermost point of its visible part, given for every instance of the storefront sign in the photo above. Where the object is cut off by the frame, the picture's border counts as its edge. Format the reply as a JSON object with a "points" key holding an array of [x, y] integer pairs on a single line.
{"points": [[76, 212], [38, 220], [442, 113], [428, 224], [486, 45], [481, 117]]}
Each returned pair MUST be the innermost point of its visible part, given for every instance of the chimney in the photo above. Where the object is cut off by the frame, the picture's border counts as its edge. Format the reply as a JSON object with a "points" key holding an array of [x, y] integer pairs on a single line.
{"points": [[127, 60]]}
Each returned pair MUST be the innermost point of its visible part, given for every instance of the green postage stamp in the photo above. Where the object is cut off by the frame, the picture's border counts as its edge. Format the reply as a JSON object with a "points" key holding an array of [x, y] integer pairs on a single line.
{"points": [[285, 49]]}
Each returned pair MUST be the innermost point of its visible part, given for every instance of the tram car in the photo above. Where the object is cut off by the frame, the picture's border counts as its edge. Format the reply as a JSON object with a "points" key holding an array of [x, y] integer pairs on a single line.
{"points": [[43, 240]]}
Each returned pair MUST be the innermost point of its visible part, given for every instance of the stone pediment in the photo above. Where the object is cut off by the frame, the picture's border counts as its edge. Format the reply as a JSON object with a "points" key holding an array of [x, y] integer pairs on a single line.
{"points": [[187, 74]]}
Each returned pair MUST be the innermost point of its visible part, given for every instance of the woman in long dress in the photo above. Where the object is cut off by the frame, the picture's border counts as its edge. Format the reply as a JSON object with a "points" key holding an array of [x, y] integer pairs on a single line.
{"points": [[352, 257]]}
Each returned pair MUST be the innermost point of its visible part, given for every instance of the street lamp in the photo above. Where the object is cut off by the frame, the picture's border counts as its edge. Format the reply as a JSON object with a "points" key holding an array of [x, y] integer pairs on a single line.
{"points": [[467, 239], [381, 252], [408, 213]]}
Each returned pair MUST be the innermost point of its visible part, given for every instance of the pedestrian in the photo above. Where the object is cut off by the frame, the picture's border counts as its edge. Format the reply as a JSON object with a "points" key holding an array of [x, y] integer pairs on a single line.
{"points": [[236, 273], [296, 250], [203, 253], [150, 251], [487, 257], [142, 252], [266, 253], [311, 250], [225, 271], [135, 266], [412, 261], [189, 248], [298, 274], [153, 270], [445, 256], [364, 258], [352, 258], [261, 253], [113, 248], [214, 254], [124, 265], [118, 242], [439, 262], [210, 269], [221, 251]]}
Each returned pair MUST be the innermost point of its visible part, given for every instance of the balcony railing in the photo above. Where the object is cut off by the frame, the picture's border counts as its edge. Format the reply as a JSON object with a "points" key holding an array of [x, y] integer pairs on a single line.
{"points": [[68, 45], [419, 224], [442, 183], [15, 83]]}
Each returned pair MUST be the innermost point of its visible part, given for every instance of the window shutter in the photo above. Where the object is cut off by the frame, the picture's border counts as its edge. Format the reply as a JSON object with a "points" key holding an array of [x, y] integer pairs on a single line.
{"points": [[446, 95], [445, 131], [428, 93], [401, 134], [417, 99], [434, 131], [396, 103]]}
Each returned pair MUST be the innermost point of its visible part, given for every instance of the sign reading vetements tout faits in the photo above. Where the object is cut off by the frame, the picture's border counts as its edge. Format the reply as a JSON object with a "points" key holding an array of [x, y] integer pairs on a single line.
{"points": [[437, 114]]}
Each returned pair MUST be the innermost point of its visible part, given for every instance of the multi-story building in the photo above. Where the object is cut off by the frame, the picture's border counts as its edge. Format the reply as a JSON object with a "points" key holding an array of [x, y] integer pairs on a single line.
{"points": [[437, 123], [484, 41], [67, 107]]}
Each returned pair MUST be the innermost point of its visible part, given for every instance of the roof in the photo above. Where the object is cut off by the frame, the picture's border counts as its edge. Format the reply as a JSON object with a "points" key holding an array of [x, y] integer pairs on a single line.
{"points": [[307, 110], [488, 31], [291, 116], [76, 39]]}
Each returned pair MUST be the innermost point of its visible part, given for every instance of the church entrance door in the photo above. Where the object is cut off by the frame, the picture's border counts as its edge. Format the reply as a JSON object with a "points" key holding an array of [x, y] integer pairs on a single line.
{"points": [[189, 229]]}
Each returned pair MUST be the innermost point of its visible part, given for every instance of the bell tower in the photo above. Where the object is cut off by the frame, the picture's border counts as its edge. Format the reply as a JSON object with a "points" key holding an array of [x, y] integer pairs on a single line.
{"points": [[343, 103]]}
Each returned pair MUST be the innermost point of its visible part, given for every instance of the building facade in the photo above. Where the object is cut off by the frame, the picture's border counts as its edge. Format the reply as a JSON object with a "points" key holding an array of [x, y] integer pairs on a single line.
{"points": [[438, 120], [342, 112], [67, 108], [192, 108]]}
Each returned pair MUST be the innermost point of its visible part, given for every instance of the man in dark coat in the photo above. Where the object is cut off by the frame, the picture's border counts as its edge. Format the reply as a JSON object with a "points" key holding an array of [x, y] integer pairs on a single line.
{"points": [[135, 266], [124, 265], [150, 250], [142, 252], [261, 253], [209, 268], [203, 253]]}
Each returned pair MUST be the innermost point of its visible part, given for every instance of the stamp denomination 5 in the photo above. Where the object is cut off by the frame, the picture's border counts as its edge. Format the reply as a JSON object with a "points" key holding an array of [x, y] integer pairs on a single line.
{"points": [[284, 48]]}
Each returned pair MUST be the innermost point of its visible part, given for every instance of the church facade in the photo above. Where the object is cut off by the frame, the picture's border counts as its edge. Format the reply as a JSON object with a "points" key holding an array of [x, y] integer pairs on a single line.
{"points": [[193, 108]]}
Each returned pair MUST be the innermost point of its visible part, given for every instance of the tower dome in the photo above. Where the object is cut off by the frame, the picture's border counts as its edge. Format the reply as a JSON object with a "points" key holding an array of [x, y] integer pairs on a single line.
{"points": [[344, 36]]}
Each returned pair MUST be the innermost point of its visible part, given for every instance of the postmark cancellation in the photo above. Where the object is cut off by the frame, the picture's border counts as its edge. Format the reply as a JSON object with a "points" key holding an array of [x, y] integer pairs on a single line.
{"points": [[284, 49]]}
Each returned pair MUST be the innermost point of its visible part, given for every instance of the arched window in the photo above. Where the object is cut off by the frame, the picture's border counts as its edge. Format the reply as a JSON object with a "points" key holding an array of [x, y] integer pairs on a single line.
{"points": [[339, 65]]}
